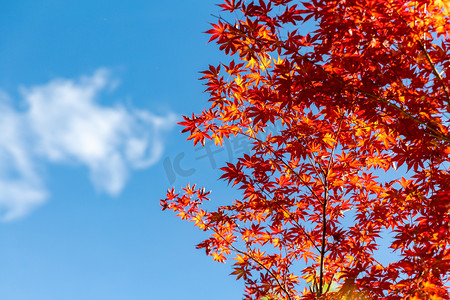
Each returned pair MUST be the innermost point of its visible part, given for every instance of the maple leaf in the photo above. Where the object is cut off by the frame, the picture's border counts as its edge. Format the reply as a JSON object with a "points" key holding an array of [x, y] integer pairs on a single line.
{"points": [[356, 102]]}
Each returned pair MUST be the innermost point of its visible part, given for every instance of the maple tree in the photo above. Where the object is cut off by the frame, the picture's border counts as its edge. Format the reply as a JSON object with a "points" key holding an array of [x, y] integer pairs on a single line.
{"points": [[362, 96]]}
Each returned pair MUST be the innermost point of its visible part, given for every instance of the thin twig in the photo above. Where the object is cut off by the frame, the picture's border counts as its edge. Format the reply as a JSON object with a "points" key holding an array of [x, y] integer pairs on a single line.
{"points": [[292, 218], [435, 72], [257, 261], [287, 166]]}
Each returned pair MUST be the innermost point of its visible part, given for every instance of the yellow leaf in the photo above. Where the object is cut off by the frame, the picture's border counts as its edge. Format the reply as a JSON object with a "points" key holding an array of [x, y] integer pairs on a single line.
{"points": [[217, 140], [328, 139], [429, 286], [415, 297], [238, 80]]}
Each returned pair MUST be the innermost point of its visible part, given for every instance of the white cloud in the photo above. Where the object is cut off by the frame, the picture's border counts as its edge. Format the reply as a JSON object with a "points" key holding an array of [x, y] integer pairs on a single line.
{"points": [[20, 186], [64, 124]]}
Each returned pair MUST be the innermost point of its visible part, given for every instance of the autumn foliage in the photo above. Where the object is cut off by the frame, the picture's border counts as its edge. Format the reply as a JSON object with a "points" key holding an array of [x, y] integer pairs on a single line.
{"points": [[363, 106]]}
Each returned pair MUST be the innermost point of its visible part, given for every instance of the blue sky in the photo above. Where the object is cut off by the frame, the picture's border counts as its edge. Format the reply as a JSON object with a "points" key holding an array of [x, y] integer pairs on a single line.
{"points": [[90, 92]]}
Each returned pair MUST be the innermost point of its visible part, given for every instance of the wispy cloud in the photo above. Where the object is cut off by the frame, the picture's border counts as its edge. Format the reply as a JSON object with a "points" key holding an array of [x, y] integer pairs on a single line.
{"points": [[20, 186], [64, 124]]}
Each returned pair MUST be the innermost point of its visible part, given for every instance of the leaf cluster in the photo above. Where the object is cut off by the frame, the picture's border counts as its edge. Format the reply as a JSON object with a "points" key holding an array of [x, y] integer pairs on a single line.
{"points": [[363, 105]]}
